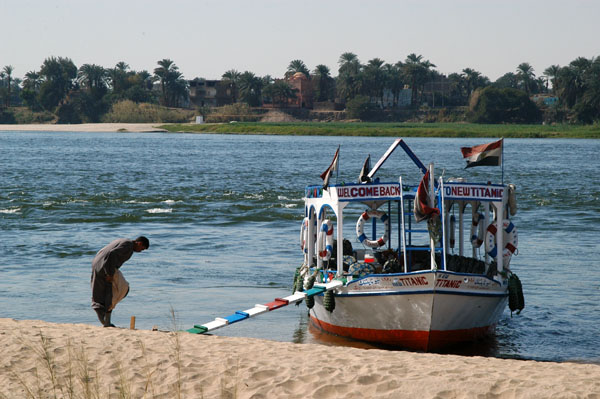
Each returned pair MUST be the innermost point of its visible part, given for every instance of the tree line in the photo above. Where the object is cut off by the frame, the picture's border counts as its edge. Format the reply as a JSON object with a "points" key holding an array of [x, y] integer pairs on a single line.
{"points": [[86, 93]]}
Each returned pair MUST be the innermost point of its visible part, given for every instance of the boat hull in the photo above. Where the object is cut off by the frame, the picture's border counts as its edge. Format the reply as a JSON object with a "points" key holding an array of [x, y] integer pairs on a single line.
{"points": [[423, 311]]}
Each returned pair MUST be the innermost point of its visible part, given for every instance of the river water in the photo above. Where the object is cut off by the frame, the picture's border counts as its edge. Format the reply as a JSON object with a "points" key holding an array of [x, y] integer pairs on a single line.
{"points": [[223, 212]]}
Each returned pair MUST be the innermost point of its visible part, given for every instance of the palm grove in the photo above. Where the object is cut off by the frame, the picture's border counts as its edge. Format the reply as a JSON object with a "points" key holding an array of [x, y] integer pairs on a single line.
{"points": [[61, 90]]}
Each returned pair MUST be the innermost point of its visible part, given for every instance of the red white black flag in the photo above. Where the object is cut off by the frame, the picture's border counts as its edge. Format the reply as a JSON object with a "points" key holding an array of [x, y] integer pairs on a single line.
{"points": [[334, 165], [484, 154], [421, 207]]}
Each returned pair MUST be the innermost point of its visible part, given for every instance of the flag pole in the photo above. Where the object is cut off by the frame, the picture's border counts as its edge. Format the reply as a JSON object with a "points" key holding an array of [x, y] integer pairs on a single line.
{"points": [[337, 169], [502, 160]]}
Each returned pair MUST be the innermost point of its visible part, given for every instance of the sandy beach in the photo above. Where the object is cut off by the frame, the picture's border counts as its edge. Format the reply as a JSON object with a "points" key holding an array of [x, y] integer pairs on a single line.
{"points": [[41, 359], [85, 127]]}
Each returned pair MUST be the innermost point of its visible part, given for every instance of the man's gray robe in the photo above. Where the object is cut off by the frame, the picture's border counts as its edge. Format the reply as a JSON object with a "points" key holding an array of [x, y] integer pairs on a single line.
{"points": [[105, 263]]}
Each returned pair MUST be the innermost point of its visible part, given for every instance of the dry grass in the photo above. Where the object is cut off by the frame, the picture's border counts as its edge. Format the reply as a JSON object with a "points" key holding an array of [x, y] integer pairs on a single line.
{"points": [[130, 112], [76, 376]]}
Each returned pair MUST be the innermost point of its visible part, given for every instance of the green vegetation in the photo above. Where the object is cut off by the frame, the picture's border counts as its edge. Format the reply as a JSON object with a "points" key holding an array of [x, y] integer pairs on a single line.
{"points": [[493, 105], [373, 91], [24, 115], [395, 129]]}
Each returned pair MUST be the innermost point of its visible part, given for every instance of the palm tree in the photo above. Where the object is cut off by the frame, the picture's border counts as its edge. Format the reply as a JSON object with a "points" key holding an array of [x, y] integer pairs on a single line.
{"points": [[163, 72], [295, 67], [417, 71], [232, 77], [8, 70], [526, 76], [281, 91], [587, 110], [267, 80], [119, 78], [250, 88], [580, 66], [349, 81], [177, 88], [471, 77], [31, 89], [146, 79], [267, 89], [412, 68], [32, 81], [570, 81], [122, 66], [58, 75], [552, 73], [457, 89], [541, 84], [375, 79], [395, 80], [566, 86], [323, 83], [508, 80], [347, 58], [92, 76]]}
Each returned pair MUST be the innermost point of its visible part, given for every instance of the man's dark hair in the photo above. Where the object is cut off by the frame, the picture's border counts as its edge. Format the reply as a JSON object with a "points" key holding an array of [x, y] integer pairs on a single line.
{"points": [[144, 241]]}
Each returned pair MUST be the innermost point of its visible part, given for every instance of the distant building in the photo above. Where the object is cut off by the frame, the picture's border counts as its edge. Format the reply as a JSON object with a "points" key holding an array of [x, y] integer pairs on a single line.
{"points": [[546, 99], [210, 93], [403, 99], [304, 94]]}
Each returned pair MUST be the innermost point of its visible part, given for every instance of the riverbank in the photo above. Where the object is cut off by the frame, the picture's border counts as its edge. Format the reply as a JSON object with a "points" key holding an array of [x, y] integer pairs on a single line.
{"points": [[85, 127], [393, 129], [41, 358], [334, 129]]}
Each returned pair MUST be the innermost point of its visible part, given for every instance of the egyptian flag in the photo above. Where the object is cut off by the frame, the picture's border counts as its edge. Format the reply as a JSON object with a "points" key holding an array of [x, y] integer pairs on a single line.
{"points": [[484, 154], [422, 209], [364, 172], [334, 165]]}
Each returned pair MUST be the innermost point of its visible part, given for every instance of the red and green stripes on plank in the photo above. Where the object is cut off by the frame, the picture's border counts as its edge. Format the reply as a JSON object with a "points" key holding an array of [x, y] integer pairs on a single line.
{"points": [[259, 309]]}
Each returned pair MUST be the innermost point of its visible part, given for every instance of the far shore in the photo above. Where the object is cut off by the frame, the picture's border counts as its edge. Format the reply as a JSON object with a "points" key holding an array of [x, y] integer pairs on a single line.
{"points": [[365, 129], [85, 127]]}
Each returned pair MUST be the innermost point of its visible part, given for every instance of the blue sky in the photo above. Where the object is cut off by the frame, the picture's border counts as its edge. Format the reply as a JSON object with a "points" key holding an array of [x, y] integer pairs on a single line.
{"points": [[206, 38]]}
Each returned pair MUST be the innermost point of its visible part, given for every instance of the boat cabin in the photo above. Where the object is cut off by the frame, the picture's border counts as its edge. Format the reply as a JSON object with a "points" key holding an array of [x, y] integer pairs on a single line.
{"points": [[372, 225]]}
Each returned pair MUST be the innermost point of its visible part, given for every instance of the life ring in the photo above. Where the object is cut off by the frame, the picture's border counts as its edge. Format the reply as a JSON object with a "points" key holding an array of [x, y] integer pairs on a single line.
{"points": [[303, 234], [477, 230], [509, 237], [325, 240], [452, 228], [360, 224]]}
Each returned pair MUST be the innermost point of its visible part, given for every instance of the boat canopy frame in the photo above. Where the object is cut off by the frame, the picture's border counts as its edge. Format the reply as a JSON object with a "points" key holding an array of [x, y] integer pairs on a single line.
{"points": [[374, 194]]}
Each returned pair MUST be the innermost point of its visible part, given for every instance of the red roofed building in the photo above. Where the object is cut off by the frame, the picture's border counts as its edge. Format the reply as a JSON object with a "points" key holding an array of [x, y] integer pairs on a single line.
{"points": [[304, 94]]}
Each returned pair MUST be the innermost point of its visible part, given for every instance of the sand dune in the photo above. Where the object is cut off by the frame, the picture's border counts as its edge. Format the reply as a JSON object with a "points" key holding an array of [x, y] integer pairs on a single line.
{"points": [[109, 362]]}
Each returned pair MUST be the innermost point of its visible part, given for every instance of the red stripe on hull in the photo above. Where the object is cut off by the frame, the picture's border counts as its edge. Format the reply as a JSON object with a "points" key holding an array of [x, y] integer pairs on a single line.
{"points": [[417, 340]]}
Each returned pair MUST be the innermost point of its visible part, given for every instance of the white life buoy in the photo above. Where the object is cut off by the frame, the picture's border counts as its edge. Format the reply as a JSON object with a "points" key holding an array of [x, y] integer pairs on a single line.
{"points": [[452, 227], [360, 224], [325, 240], [303, 234], [509, 238], [477, 230]]}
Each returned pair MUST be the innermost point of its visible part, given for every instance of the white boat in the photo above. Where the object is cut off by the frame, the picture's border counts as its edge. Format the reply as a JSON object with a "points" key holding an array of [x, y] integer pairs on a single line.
{"points": [[409, 285]]}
